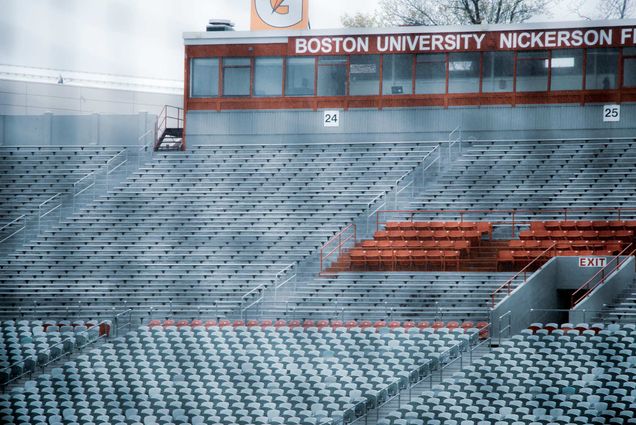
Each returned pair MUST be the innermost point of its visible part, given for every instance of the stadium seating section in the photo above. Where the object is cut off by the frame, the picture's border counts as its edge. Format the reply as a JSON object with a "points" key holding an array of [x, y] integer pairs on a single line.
{"points": [[229, 375], [560, 376], [31, 176], [201, 228]]}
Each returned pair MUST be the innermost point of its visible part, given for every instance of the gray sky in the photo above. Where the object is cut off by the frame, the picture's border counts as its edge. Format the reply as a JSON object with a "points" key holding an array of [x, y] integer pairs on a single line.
{"points": [[136, 37]]}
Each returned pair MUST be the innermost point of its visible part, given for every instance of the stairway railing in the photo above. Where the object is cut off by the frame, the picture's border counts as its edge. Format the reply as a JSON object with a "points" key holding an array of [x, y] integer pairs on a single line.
{"points": [[169, 117]]}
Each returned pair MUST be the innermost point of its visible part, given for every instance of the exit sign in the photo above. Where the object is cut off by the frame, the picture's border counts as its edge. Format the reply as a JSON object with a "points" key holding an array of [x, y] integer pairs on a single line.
{"points": [[596, 262]]}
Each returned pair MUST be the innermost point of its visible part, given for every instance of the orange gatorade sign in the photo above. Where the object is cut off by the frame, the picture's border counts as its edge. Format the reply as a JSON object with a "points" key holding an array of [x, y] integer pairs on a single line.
{"points": [[280, 14]]}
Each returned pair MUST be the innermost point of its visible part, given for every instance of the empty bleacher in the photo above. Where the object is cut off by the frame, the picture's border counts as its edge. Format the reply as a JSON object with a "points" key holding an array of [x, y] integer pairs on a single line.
{"points": [[201, 229], [393, 296], [560, 376], [197, 374], [31, 176], [538, 175]]}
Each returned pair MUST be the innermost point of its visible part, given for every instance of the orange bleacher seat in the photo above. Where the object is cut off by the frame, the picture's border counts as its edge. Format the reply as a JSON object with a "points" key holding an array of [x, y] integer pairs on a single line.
{"points": [[369, 244], [551, 225], [398, 245], [387, 260], [379, 324], [423, 325], [335, 324], [441, 234], [351, 324], [406, 226], [293, 324], [167, 323], [196, 324], [410, 235], [392, 225], [252, 323], [425, 234], [437, 225], [438, 325], [419, 259], [600, 225], [413, 245], [210, 324], [584, 225], [224, 323], [280, 324], [238, 323], [408, 324], [468, 325], [381, 234], [395, 324], [358, 258], [451, 258], [365, 324], [403, 260], [567, 225], [321, 324], [372, 259], [266, 324], [384, 244], [152, 324], [309, 324], [452, 325]]}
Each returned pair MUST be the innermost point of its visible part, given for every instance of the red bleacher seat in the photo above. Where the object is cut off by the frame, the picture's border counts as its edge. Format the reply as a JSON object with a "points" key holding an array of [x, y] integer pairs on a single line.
{"points": [[224, 323], [196, 323], [266, 324], [252, 323], [365, 324]]}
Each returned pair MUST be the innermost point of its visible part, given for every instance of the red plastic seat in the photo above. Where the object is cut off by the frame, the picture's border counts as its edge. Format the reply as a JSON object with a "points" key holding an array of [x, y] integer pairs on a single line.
{"points": [[210, 324], [403, 260], [438, 325], [252, 323], [153, 323], [238, 323], [395, 324], [392, 225], [379, 324], [280, 324], [322, 324], [484, 329], [266, 324], [452, 325], [369, 244], [183, 323], [408, 325], [424, 325], [365, 324], [196, 323], [294, 324], [335, 324], [351, 324], [168, 322], [309, 324], [224, 323], [410, 235], [381, 235], [468, 325]]}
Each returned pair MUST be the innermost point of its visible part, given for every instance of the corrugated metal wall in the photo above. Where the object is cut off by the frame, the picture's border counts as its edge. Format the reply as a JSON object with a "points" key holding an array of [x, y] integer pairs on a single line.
{"points": [[523, 122], [28, 98], [74, 130]]}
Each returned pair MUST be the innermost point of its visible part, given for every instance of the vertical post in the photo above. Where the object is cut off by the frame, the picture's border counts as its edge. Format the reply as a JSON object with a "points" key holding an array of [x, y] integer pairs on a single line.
{"points": [[513, 223]]}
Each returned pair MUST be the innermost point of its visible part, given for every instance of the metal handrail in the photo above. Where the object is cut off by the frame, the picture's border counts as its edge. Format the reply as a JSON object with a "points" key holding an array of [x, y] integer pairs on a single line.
{"points": [[337, 236], [61, 344], [6, 226], [602, 272], [510, 281], [58, 206]]}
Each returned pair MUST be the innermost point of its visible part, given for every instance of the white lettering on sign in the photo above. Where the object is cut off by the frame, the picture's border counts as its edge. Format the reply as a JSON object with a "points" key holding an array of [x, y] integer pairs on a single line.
{"points": [[612, 113], [587, 262], [465, 41], [331, 119]]}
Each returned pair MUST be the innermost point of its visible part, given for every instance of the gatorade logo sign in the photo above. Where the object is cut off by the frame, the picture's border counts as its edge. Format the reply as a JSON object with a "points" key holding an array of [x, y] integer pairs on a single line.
{"points": [[280, 14]]}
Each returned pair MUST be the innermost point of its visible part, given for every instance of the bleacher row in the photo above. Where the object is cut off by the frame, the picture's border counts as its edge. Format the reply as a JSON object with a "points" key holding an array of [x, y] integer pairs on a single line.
{"points": [[31, 176], [201, 228], [539, 377], [536, 175], [235, 375]]}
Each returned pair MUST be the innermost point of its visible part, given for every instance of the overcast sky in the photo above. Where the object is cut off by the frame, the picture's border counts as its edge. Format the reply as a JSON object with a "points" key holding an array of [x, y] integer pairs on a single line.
{"points": [[136, 37]]}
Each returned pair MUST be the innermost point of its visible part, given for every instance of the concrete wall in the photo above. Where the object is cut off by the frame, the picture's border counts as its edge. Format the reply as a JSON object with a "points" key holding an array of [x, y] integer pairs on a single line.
{"points": [[485, 123], [605, 293], [74, 130], [29, 98], [541, 292]]}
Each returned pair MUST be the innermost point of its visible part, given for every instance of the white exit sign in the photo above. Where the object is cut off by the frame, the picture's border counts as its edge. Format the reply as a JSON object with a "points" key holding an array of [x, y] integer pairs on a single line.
{"points": [[595, 262]]}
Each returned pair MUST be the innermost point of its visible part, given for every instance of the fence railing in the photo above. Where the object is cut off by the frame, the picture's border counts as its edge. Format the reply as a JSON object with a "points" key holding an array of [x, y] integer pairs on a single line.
{"points": [[82, 185], [169, 117], [455, 138], [602, 275], [114, 163], [255, 298], [509, 285], [54, 203], [146, 144], [334, 246], [13, 228], [390, 393], [65, 348]]}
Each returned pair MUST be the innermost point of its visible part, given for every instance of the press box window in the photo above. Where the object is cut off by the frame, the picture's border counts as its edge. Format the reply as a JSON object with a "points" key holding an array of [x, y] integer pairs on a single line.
{"points": [[364, 75], [204, 77], [332, 76], [567, 69], [430, 74], [301, 74], [532, 71], [268, 76], [236, 76], [397, 74], [499, 72], [629, 67], [602, 69], [463, 72]]}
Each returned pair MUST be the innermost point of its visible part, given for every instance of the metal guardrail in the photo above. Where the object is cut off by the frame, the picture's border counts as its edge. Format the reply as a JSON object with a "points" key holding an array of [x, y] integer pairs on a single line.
{"points": [[12, 223], [112, 165], [57, 207], [602, 275]]}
